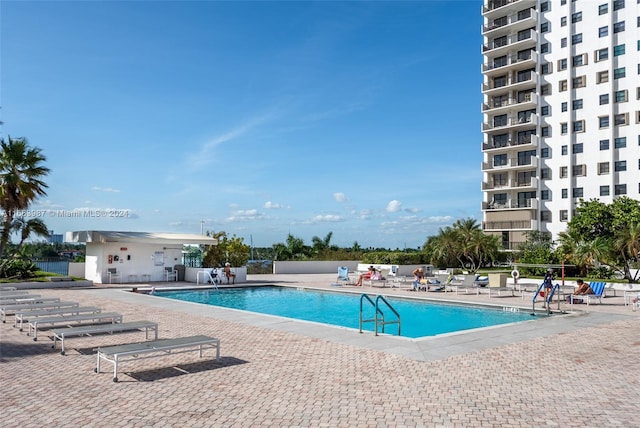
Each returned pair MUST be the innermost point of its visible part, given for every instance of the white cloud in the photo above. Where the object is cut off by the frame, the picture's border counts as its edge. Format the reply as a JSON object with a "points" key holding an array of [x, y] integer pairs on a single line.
{"points": [[246, 215], [105, 189], [412, 210], [327, 218], [340, 197], [272, 205], [394, 206]]}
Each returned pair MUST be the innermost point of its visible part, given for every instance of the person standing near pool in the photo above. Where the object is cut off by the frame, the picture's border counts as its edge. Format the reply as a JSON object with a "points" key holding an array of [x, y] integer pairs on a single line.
{"points": [[418, 276], [548, 283]]}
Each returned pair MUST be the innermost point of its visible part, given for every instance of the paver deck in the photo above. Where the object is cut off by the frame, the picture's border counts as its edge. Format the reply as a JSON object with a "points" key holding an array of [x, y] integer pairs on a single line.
{"points": [[276, 372]]}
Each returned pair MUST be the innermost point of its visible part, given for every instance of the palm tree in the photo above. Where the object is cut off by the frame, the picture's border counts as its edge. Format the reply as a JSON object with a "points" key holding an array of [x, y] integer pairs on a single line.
{"points": [[21, 174], [627, 241], [28, 227]]}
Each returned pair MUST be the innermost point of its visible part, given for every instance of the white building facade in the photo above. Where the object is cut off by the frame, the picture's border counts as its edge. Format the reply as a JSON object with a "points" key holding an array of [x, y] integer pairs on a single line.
{"points": [[561, 111]]}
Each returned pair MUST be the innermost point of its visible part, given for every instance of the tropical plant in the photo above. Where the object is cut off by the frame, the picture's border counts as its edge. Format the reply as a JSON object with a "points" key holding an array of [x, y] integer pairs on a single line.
{"points": [[21, 182], [229, 250]]}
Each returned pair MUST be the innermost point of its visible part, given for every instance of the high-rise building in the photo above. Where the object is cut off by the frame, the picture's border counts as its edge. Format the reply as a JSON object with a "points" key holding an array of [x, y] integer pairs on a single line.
{"points": [[561, 111]]}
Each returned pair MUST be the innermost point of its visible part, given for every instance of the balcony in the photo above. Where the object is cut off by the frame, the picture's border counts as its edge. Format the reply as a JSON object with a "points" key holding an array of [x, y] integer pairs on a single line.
{"points": [[508, 225], [511, 204], [528, 102], [512, 163], [513, 42], [512, 84], [510, 185], [514, 122], [520, 20], [519, 142], [513, 62], [494, 8]]}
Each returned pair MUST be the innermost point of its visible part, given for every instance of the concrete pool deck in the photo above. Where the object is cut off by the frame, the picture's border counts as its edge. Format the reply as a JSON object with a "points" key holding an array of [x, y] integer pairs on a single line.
{"points": [[570, 370]]}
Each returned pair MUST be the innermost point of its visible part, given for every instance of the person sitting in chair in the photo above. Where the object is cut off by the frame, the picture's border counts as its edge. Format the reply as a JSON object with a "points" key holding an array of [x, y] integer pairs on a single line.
{"points": [[366, 275], [228, 273], [583, 288]]}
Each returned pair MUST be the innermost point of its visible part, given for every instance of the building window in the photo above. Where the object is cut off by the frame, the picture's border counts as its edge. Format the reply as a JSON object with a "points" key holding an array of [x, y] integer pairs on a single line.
{"points": [[578, 126], [618, 27], [544, 6], [564, 150], [602, 76], [544, 110], [620, 189], [576, 17], [579, 82], [621, 119], [563, 21], [576, 104], [603, 168], [544, 48], [618, 50], [545, 89], [579, 60], [620, 166], [563, 106], [621, 96], [563, 42], [602, 54], [545, 215], [562, 64], [562, 85], [603, 31], [604, 144], [524, 34], [579, 170], [563, 172], [545, 131], [563, 128], [544, 152], [603, 8], [545, 68], [604, 190], [500, 160], [618, 4], [620, 142], [565, 193], [619, 73], [564, 215], [577, 38], [604, 99], [577, 192], [544, 27], [578, 148], [603, 121], [545, 173]]}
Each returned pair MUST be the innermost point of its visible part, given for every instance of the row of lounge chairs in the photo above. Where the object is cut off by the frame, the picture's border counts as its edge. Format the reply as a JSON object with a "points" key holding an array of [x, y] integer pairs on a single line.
{"points": [[69, 319]]}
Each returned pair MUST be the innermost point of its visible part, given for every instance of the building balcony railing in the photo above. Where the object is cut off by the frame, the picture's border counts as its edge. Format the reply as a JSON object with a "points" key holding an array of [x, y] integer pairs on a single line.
{"points": [[519, 142], [510, 184], [494, 7], [520, 60], [511, 204], [505, 104], [513, 41], [512, 83], [512, 121], [508, 225], [513, 163], [520, 19]]}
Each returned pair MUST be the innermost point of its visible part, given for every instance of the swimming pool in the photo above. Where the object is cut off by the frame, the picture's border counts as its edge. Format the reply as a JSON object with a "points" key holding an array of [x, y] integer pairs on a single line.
{"points": [[418, 318]]}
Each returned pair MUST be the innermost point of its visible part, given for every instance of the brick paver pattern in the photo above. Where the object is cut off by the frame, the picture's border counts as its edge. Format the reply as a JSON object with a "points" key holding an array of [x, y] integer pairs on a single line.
{"points": [[586, 378]]}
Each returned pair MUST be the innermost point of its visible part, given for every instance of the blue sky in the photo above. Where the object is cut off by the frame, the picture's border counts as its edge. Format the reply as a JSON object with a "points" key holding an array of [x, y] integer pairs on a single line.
{"points": [[259, 119]]}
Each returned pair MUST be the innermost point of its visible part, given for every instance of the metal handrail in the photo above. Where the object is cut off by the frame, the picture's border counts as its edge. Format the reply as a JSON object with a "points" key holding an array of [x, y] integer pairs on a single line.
{"points": [[379, 314]]}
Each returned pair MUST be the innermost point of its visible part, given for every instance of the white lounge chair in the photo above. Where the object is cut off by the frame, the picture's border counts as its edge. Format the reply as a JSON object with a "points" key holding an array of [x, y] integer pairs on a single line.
{"points": [[467, 283], [343, 276]]}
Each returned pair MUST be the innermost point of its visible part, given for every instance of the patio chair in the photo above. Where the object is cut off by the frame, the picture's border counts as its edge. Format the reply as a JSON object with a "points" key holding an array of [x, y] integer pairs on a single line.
{"points": [[170, 274], [343, 276], [467, 283], [598, 292], [112, 273]]}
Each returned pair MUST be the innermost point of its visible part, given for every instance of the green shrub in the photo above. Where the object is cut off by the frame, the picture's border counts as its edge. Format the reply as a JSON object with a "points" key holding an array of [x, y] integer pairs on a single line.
{"points": [[17, 269]]}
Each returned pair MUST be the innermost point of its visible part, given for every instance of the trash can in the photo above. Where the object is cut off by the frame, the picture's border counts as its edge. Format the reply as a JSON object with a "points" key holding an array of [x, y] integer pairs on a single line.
{"points": [[180, 271]]}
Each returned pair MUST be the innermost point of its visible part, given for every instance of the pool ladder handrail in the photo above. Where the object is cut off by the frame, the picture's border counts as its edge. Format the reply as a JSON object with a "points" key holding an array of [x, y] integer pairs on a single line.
{"points": [[548, 299], [378, 313]]}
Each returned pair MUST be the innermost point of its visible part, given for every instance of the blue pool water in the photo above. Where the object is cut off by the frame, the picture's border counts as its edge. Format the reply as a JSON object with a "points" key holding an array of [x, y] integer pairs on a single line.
{"points": [[418, 319]]}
